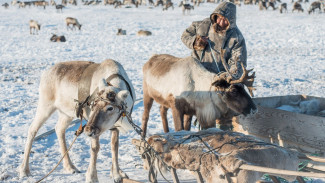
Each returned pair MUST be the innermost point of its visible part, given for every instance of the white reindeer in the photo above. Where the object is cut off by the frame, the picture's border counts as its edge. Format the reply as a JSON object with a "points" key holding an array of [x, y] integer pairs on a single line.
{"points": [[110, 92], [186, 87], [74, 22], [34, 27]]}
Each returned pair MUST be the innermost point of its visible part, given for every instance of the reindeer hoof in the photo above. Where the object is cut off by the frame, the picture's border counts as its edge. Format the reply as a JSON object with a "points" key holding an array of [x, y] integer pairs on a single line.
{"points": [[72, 170], [119, 176]]}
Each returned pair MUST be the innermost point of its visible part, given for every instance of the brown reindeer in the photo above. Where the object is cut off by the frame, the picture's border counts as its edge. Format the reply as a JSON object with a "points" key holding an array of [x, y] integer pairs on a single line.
{"points": [[186, 87], [283, 8], [297, 6], [262, 4], [314, 6], [56, 38], [72, 21], [144, 33], [34, 27]]}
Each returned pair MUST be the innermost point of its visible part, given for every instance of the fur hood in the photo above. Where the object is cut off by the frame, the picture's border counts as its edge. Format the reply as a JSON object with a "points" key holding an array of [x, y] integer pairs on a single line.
{"points": [[228, 10]]}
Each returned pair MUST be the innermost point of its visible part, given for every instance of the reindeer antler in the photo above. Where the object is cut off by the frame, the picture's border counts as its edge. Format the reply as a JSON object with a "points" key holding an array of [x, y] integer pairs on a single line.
{"points": [[246, 79]]}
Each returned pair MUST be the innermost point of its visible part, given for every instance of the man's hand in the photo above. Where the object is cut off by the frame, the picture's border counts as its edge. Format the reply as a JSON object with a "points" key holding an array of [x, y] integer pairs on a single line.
{"points": [[200, 43]]}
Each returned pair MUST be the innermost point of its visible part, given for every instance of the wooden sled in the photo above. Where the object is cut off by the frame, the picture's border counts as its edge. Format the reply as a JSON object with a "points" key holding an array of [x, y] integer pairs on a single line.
{"points": [[220, 156]]}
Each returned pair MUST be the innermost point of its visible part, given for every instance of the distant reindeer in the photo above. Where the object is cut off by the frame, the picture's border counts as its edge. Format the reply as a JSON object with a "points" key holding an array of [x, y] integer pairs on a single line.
{"points": [[121, 32], [151, 3], [56, 38], [21, 5], [168, 5], [283, 7], [297, 6], [41, 3], [187, 7], [159, 2], [314, 6], [73, 2], [272, 5], [143, 33], [52, 3], [74, 22], [6, 5], [59, 7], [64, 2], [262, 4], [117, 4], [34, 27]]}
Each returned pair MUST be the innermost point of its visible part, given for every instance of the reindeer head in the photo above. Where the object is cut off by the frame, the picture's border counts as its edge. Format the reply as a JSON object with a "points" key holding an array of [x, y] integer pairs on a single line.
{"points": [[106, 109], [233, 93]]}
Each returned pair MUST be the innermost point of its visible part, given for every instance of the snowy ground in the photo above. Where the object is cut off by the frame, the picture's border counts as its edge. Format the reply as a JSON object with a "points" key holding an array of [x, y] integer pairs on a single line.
{"points": [[287, 51]]}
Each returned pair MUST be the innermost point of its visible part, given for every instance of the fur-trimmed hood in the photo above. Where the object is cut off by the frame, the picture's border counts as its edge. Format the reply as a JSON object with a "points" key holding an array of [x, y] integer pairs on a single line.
{"points": [[228, 10]]}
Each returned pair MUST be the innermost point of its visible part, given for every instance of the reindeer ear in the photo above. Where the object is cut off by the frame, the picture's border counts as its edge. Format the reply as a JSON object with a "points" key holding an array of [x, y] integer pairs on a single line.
{"points": [[123, 94]]}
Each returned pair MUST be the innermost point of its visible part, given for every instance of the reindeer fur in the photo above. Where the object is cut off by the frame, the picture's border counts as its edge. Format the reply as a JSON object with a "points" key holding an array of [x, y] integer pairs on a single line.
{"points": [[58, 89]]}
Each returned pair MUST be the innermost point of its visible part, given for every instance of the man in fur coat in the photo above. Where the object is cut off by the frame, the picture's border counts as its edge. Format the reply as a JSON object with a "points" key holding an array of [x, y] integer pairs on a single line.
{"points": [[207, 37]]}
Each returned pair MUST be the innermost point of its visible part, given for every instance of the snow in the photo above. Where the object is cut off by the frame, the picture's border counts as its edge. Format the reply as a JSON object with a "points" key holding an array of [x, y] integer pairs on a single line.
{"points": [[286, 50]]}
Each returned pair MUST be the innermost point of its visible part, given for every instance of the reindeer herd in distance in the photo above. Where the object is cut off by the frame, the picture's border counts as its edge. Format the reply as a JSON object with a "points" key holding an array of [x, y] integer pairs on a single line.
{"points": [[72, 23]]}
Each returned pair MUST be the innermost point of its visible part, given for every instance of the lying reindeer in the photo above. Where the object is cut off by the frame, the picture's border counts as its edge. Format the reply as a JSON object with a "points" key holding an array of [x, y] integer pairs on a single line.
{"points": [[186, 87], [74, 22], [34, 27], [283, 8], [121, 32], [104, 90], [56, 38], [143, 33], [314, 6], [297, 6], [6, 5]]}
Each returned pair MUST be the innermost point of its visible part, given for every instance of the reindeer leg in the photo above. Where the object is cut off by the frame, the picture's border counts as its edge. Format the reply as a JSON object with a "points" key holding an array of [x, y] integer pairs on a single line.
{"points": [[178, 116], [163, 114], [60, 128], [187, 122], [44, 111], [116, 172], [147, 104], [91, 174]]}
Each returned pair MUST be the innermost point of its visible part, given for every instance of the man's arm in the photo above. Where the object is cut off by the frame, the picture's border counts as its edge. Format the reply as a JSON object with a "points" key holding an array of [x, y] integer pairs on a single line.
{"points": [[239, 54], [189, 35]]}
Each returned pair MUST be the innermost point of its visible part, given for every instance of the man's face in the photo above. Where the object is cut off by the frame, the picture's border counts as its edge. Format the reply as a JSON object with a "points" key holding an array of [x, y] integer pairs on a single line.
{"points": [[222, 22]]}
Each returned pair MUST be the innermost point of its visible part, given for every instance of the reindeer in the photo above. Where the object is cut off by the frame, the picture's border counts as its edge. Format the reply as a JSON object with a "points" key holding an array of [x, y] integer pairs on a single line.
{"points": [[186, 87], [6, 5], [314, 6], [56, 38], [159, 2], [168, 5], [52, 3], [117, 4], [187, 7], [73, 2], [34, 27], [297, 6], [59, 7], [104, 92], [143, 33], [262, 4], [74, 22], [41, 3], [121, 32], [283, 7], [271, 4]]}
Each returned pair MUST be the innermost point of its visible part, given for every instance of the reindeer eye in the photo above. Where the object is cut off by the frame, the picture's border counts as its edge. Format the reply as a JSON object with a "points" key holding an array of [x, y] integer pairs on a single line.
{"points": [[109, 108]]}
